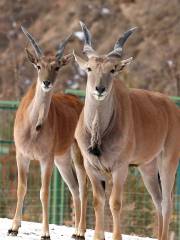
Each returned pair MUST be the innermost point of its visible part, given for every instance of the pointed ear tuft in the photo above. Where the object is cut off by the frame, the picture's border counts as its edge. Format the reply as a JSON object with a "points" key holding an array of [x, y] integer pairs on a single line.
{"points": [[31, 57], [127, 61], [66, 59], [124, 63]]}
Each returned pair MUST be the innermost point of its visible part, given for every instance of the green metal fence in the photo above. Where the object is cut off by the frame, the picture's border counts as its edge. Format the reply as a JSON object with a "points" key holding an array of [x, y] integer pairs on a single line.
{"points": [[138, 211], [60, 197]]}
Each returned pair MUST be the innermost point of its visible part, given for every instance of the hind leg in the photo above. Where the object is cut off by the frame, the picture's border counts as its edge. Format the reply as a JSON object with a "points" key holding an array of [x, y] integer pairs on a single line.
{"points": [[82, 180], [46, 172], [23, 168], [167, 168], [149, 173], [64, 166]]}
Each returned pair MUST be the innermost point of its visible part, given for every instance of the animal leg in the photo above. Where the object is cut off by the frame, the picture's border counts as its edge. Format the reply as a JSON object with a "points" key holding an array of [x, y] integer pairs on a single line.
{"points": [[99, 202], [68, 174], [149, 173], [118, 179], [167, 169], [23, 168], [82, 180], [46, 172]]}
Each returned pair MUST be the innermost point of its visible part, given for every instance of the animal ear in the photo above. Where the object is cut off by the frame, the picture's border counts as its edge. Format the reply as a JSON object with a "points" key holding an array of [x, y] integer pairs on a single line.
{"points": [[123, 64], [81, 62], [31, 57], [66, 59]]}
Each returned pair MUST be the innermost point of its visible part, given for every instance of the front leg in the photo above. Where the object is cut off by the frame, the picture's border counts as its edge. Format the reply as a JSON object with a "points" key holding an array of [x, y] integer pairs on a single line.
{"points": [[68, 174], [23, 168], [83, 194], [46, 172], [119, 176], [99, 202]]}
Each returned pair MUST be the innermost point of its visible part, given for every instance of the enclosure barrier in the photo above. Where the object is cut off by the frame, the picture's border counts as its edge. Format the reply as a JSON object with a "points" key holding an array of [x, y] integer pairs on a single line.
{"points": [[138, 211]]}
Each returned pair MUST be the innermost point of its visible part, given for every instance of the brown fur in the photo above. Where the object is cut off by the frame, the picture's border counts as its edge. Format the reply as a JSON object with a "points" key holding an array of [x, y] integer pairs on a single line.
{"points": [[136, 127], [44, 130], [61, 121]]}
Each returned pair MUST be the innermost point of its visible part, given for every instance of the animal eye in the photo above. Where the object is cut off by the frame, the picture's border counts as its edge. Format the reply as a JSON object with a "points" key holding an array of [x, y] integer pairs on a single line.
{"points": [[112, 71], [38, 67], [56, 69], [89, 69]]}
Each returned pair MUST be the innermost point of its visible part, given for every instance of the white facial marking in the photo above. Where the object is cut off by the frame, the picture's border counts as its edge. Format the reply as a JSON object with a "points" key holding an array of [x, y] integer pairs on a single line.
{"points": [[46, 89], [99, 97]]}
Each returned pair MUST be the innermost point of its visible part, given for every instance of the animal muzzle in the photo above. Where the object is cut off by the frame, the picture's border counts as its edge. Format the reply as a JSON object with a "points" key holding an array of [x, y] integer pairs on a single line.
{"points": [[46, 83], [100, 93], [100, 89], [46, 86]]}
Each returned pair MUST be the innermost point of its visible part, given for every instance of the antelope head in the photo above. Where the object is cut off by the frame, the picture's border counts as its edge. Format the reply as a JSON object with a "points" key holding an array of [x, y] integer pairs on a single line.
{"points": [[47, 66], [101, 70]]}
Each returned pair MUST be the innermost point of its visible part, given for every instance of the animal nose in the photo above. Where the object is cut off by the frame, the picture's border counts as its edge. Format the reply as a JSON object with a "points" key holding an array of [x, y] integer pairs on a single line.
{"points": [[100, 89], [46, 83]]}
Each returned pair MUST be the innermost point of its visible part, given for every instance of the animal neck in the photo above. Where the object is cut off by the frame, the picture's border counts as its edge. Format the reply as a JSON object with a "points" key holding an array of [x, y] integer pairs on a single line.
{"points": [[39, 107], [98, 114]]}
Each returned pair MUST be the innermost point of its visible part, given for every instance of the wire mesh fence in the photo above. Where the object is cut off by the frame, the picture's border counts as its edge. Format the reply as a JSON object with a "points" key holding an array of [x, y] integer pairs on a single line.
{"points": [[138, 212]]}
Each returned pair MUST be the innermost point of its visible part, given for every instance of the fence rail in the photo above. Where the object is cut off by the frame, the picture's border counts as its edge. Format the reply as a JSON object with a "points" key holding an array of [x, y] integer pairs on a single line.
{"points": [[138, 211]]}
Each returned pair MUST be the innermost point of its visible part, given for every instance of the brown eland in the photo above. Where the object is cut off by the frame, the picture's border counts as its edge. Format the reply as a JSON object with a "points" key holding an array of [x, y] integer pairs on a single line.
{"points": [[44, 130], [119, 127]]}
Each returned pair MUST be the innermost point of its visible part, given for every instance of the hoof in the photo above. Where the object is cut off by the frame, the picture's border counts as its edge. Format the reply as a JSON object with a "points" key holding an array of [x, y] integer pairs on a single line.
{"points": [[45, 238], [12, 232], [74, 236], [81, 237]]}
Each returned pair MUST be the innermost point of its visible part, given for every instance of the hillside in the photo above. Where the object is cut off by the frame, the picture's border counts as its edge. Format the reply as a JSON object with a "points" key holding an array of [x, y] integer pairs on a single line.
{"points": [[155, 45]]}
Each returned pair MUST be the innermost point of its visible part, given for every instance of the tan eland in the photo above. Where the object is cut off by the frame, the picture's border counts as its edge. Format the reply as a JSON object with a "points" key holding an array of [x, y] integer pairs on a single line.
{"points": [[120, 127], [44, 130]]}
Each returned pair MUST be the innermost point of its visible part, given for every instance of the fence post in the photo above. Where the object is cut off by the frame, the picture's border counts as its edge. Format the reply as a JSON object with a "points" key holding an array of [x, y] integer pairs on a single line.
{"points": [[177, 188], [177, 200], [62, 202], [57, 198]]}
